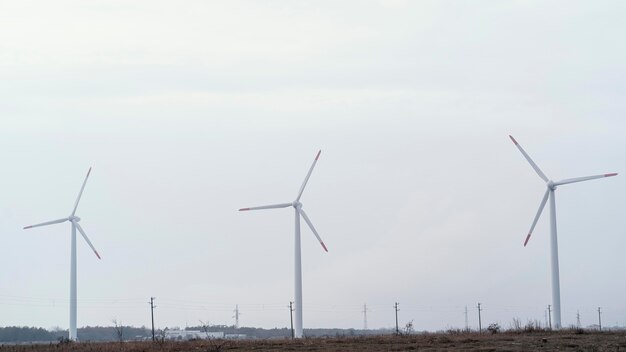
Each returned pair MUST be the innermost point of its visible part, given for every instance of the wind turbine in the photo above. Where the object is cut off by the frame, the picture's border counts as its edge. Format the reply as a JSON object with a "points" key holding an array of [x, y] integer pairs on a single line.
{"points": [[297, 257], [554, 250], [73, 219]]}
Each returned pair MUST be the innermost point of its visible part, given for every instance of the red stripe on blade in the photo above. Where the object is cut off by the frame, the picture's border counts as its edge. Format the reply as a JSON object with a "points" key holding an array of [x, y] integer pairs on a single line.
{"points": [[513, 139], [97, 255], [527, 238], [609, 175], [244, 209], [323, 245], [318, 155], [28, 227]]}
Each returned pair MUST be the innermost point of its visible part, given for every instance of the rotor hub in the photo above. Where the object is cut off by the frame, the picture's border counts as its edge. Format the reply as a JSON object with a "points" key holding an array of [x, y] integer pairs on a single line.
{"points": [[74, 218], [551, 185], [296, 204]]}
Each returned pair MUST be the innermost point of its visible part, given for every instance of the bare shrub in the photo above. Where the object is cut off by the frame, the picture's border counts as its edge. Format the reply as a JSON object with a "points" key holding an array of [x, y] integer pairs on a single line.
{"points": [[453, 331], [494, 328], [533, 326], [516, 324], [408, 328]]}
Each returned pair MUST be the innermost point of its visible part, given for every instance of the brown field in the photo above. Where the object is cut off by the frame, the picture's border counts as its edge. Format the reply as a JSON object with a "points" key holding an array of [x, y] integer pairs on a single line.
{"points": [[544, 341]]}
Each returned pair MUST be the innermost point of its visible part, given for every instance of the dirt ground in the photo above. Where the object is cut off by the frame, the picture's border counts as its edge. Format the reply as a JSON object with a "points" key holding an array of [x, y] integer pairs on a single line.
{"points": [[545, 341]]}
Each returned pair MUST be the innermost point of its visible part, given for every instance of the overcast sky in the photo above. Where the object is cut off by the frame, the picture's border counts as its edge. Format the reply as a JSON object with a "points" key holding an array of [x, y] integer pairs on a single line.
{"points": [[190, 110]]}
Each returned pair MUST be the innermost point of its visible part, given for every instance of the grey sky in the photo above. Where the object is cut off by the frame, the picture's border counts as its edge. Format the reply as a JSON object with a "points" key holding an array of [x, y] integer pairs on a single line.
{"points": [[189, 111]]}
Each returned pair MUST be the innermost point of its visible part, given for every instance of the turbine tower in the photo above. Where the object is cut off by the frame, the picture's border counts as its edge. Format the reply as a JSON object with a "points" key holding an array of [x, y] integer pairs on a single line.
{"points": [[554, 251], [364, 316], [299, 212], [73, 219]]}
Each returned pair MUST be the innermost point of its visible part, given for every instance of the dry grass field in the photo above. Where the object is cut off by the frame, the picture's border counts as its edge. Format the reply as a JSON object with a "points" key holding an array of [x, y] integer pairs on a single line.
{"points": [[544, 341]]}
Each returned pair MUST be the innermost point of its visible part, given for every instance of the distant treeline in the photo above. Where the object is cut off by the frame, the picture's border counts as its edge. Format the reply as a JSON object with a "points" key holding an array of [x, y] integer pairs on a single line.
{"points": [[15, 334], [23, 334]]}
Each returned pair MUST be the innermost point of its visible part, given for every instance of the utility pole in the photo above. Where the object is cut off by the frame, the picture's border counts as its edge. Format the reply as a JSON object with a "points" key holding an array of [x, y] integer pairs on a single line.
{"points": [[480, 325], [395, 306], [152, 306], [550, 316], [364, 316], [236, 316], [578, 318], [599, 319], [466, 321], [291, 315]]}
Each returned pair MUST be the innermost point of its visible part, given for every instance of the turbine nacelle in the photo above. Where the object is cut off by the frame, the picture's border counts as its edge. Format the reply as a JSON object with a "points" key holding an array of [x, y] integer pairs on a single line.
{"points": [[73, 218], [551, 185], [296, 204]]}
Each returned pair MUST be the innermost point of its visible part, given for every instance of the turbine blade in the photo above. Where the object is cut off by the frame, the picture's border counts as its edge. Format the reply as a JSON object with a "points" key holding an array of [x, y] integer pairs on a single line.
{"points": [[541, 206], [82, 232], [580, 179], [532, 163], [308, 221], [47, 223], [81, 192], [306, 179], [273, 206]]}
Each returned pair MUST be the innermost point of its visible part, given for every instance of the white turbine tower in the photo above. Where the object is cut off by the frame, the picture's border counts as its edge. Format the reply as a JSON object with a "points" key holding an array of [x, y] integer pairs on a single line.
{"points": [[73, 219], [297, 258], [554, 251]]}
